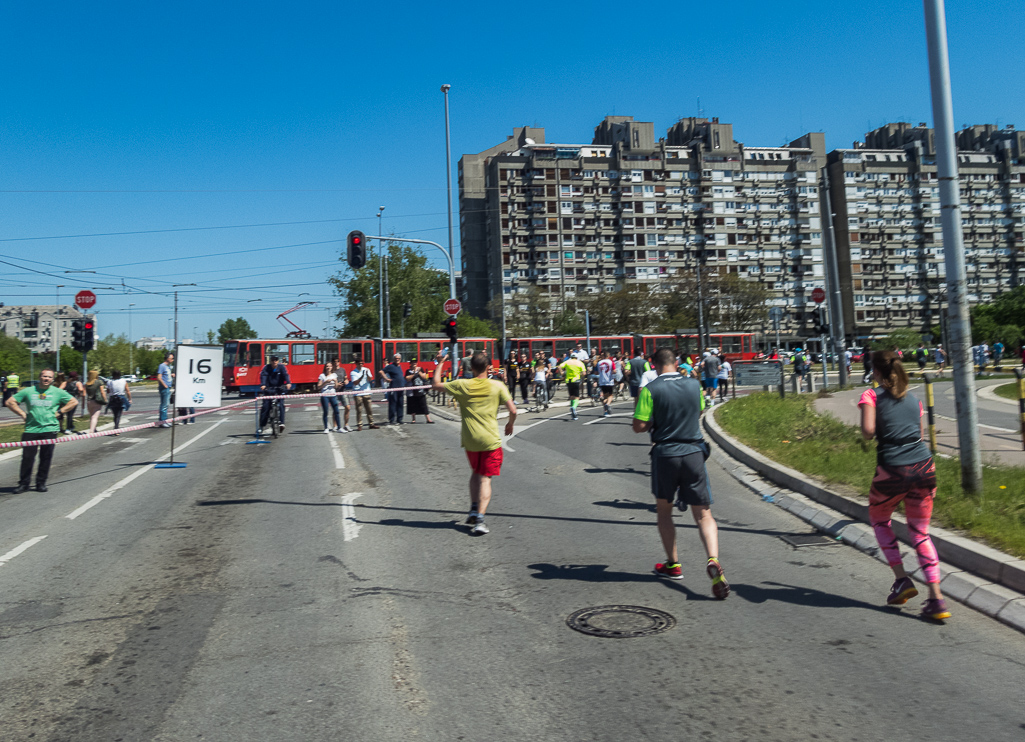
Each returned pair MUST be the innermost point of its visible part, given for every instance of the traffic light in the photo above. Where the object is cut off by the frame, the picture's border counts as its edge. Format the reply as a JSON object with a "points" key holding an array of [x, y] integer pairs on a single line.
{"points": [[357, 250], [407, 309], [77, 333], [89, 333], [449, 328]]}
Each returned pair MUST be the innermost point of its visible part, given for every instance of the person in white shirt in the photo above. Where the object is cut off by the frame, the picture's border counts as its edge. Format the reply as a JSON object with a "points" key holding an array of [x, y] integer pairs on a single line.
{"points": [[580, 354], [607, 380], [327, 385], [648, 376], [724, 376], [360, 378]]}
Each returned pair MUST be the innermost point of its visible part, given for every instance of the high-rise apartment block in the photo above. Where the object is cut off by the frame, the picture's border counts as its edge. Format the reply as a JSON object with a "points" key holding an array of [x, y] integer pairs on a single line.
{"points": [[885, 195], [580, 219], [40, 327], [575, 220]]}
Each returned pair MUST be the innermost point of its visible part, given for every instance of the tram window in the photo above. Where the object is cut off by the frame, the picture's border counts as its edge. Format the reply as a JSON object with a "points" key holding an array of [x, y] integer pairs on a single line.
{"points": [[255, 354], [327, 353], [730, 344], [562, 347], [302, 353], [230, 349], [408, 351], [275, 349], [349, 352]]}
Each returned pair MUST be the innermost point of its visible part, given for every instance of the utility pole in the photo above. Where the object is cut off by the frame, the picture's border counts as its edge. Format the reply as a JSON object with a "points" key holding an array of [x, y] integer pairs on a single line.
{"points": [[380, 278], [958, 328], [836, 324], [701, 304], [57, 327]]}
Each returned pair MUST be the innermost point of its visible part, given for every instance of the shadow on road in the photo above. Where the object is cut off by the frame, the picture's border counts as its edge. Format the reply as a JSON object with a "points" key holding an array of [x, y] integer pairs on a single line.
{"points": [[805, 596], [626, 505], [601, 573], [628, 470]]}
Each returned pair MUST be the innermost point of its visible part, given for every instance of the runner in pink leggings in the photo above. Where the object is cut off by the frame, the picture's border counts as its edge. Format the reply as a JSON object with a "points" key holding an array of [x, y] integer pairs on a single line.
{"points": [[904, 472]]}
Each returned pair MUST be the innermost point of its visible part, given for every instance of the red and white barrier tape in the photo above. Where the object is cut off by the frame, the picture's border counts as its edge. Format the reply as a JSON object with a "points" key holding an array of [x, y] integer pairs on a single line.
{"points": [[158, 423]]}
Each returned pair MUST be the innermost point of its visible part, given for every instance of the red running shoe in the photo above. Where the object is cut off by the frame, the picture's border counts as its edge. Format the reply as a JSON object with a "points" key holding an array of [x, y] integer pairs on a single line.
{"points": [[669, 571]]}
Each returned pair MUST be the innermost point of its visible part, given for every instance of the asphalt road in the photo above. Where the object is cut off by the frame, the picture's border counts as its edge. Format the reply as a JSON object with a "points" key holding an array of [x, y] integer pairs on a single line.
{"points": [[244, 598]]}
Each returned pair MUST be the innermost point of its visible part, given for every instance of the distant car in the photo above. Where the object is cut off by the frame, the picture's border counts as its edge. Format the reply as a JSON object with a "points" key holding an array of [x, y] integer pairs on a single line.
{"points": [[152, 377], [130, 378]]}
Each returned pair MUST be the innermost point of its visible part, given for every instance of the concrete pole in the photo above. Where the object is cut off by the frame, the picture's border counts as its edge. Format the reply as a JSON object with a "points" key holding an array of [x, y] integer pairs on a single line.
{"points": [[57, 329], [958, 327], [448, 178], [836, 325]]}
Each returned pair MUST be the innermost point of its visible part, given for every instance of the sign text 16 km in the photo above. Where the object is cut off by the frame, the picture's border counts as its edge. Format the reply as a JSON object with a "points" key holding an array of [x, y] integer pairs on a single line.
{"points": [[197, 379]]}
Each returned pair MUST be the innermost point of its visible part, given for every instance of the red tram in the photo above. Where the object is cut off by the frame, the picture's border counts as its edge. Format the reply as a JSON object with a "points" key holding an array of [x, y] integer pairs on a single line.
{"points": [[736, 346], [305, 357]]}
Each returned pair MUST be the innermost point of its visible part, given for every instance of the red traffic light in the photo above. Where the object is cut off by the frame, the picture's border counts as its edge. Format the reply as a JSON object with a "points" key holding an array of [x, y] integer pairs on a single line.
{"points": [[356, 240], [88, 325]]}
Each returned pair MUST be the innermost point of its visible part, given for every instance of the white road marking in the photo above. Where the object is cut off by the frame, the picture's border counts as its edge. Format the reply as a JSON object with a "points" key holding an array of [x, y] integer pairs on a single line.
{"points": [[136, 474], [339, 461], [396, 430], [112, 441], [350, 528], [224, 412], [981, 425], [614, 414], [19, 549]]}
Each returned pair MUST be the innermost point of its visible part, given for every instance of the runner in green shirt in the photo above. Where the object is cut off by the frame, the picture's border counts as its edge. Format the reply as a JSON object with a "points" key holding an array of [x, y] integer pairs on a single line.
{"points": [[573, 370], [42, 403]]}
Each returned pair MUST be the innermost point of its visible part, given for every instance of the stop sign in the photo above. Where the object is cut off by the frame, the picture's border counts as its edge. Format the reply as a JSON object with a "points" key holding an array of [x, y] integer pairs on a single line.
{"points": [[452, 306], [818, 296], [85, 299]]}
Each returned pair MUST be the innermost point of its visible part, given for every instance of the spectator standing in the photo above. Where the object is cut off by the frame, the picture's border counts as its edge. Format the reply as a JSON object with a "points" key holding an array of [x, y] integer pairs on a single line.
{"points": [[512, 372], [96, 398], [416, 396], [41, 407], [479, 399], [327, 385], [119, 396], [360, 378], [579, 353], [523, 378], [669, 408], [394, 376], [75, 388], [165, 378], [904, 472], [998, 353]]}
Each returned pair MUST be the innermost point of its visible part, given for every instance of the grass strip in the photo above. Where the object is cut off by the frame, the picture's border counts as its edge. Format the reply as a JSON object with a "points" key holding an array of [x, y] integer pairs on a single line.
{"points": [[792, 432], [12, 433], [1007, 391]]}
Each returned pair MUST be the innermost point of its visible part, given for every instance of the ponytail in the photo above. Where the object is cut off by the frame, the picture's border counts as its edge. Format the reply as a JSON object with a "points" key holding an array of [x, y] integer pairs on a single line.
{"points": [[891, 371]]}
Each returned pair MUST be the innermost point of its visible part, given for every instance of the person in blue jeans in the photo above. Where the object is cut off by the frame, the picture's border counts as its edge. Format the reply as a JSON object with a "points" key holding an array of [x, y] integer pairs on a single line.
{"points": [[165, 377], [396, 379]]}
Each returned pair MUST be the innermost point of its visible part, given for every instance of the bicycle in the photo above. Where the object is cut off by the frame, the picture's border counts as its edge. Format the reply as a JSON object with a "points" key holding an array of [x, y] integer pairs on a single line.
{"points": [[540, 396], [274, 416], [593, 390]]}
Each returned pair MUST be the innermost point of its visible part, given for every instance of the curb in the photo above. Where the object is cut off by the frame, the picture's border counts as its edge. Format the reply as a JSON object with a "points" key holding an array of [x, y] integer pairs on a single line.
{"points": [[978, 576]]}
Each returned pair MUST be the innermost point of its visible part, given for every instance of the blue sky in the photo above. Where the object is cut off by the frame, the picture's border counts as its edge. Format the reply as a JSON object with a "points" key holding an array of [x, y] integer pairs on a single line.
{"points": [[133, 133]]}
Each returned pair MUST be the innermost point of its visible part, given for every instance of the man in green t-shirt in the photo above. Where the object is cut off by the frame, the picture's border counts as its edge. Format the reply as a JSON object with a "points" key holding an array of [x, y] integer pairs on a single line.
{"points": [[573, 370], [43, 404], [479, 399]]}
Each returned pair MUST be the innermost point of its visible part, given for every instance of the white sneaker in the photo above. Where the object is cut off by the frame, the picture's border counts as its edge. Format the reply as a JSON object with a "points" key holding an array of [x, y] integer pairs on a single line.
{"points": [[480, 529], [473, 518], [260, 431], [281, 428], [346, 429], [327, 430]]}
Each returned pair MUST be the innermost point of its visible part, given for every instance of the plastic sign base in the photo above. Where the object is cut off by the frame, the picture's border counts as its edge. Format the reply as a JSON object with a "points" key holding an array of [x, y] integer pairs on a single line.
{"points": [[256, 440], [170, 465]]}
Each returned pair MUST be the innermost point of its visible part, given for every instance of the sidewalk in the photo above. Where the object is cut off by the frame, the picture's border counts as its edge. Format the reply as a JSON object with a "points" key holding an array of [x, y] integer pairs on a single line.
{"points": [[999, 445]]}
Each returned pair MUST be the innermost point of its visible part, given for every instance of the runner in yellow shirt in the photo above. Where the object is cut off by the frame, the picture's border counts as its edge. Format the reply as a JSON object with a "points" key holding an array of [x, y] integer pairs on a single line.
{"points": [[479, 399], [573, 371]]}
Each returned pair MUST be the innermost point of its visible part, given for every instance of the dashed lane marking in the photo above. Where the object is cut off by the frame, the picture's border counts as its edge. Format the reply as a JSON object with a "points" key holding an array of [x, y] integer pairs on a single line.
{"points": [[614, 414], [136, 474], [339, 461], [350, 528], [19, 549]]}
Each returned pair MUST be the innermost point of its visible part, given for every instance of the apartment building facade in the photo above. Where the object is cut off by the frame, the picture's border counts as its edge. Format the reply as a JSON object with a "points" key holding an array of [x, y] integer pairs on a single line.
{"points": [[885, 197], [41, 327], [575, 220]]}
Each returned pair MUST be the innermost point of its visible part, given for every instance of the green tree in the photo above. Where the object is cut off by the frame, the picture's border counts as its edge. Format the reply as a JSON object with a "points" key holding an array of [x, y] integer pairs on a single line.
{"points": [[210, 337], [110, 353], [904, 338], [631, 309], [410, 280], [235, 329], [14, 355]]}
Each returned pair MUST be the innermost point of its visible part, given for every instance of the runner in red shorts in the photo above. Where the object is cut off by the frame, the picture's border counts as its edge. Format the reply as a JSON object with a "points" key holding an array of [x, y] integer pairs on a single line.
{"points": [[479, 399]]}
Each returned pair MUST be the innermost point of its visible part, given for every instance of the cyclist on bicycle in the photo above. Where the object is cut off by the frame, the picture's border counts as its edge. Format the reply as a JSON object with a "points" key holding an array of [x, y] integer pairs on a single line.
{"points": [[541, 376], [274, 380]]}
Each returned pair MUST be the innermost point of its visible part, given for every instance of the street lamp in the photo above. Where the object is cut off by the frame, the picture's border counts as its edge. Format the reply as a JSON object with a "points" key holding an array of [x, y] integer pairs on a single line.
{"points": [[57, 327], [382, 270], [131, 343]]}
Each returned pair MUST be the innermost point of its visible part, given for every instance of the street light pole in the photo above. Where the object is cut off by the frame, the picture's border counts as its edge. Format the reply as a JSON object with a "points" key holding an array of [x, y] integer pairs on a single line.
{"points": [[380, 277], [448, 177], [57, 327], [958, 328], [131, 343]]}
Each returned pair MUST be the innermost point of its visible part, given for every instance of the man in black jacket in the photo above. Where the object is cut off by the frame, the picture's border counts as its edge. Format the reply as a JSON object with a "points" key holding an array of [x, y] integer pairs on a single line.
{"points": [[274, 380]]}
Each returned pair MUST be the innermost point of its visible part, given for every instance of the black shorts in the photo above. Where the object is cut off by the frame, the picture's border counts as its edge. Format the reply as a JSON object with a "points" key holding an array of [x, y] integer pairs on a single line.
{"points": [[634, 391], [607, 390], [573, 388], [685, 475]]}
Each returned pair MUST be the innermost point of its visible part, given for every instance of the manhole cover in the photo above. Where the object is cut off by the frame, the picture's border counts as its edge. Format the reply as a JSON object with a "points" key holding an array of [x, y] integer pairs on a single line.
{"points": [[620, 621], [797, 540]]}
